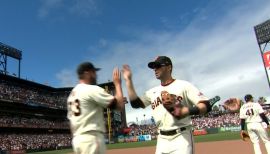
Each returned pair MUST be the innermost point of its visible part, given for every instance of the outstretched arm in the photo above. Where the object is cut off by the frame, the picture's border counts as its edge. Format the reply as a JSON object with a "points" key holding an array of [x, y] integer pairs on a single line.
{"points": [[183, 111], [179, 111], [135, 101], [206, 105], [118, 102]]}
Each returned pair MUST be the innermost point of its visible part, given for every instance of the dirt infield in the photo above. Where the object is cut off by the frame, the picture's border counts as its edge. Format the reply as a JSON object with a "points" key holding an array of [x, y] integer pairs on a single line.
{"points": [[218, 147]]}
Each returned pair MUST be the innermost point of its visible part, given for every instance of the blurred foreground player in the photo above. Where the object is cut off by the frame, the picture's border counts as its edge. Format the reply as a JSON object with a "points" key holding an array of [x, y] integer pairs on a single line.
{"points": [[86, 103]]}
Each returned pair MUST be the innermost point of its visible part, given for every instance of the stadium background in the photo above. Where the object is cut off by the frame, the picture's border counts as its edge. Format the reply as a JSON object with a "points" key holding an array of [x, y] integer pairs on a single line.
{"points": [[33, 116]]}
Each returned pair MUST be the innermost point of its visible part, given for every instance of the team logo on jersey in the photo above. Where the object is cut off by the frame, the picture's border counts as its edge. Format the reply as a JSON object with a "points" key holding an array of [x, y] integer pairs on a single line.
{"points": [[158, 101]]}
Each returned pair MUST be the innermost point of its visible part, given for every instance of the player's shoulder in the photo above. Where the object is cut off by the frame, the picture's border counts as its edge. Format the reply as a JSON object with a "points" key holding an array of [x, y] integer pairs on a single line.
{"points": [[243, 107], [257, 104], [153, 90], [183, 82], [88, 87]]}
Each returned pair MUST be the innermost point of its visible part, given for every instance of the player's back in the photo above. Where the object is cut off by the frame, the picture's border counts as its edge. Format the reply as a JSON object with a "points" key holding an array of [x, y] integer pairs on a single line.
{"points": [[84, 113], [251, 112]]}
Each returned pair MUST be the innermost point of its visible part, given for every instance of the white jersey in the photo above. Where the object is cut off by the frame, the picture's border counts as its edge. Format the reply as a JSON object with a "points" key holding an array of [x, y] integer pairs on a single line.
{"points": [[251, 112], [86, 104], [185, 92]]}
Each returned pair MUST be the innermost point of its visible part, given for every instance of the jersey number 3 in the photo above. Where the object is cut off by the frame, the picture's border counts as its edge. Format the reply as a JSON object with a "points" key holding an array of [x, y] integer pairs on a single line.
{"points": [[250, 112], [75, 107]]}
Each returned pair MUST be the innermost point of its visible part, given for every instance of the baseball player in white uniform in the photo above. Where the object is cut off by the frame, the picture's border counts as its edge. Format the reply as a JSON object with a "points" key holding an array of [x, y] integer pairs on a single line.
{"points": [[86, 104], [253, 115], [175, 135]]}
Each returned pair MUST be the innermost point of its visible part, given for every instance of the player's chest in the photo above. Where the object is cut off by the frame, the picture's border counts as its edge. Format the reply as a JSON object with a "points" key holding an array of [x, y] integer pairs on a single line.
{"points": [[156, 100]]}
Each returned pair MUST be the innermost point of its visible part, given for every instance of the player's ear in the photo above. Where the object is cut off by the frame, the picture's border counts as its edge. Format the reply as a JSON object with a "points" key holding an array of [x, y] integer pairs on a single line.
{"points": [[170, 68]]}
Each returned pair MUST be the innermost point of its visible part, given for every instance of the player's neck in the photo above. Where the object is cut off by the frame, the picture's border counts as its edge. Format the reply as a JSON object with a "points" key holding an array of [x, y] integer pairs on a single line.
{"points": [[86, 81], [167, 81], [83, 82]]}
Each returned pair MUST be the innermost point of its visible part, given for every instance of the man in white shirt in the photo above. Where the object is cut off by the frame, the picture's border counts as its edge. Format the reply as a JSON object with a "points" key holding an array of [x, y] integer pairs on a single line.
{"points": [[175, 134], [253, 115], [86, 104]]}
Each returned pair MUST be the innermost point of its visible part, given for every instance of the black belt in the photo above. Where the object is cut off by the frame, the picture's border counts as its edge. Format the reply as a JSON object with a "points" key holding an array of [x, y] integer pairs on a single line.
{"points": [[172, 132]]}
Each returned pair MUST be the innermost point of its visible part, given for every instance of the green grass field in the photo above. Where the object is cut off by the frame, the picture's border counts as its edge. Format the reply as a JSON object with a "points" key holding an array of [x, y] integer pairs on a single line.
{"points": [[203, 138]]}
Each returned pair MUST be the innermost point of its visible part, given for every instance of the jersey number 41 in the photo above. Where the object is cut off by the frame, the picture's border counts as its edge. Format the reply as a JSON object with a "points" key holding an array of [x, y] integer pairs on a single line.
{"points": [[250, 112]]}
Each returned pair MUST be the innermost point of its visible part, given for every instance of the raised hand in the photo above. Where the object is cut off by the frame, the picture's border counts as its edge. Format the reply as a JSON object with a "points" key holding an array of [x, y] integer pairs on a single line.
{"points": [[116, 76], [126, 71], [232, 104]]}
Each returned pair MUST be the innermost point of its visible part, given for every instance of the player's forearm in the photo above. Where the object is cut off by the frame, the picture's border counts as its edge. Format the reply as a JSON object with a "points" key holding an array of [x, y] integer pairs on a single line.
{"points": [[203, 107], [119, 97], [131, 90], [199, 109], [135, 101], [183, 111]]}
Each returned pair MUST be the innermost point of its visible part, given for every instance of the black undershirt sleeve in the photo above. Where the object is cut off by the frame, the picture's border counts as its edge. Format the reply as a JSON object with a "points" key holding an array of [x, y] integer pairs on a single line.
{"points": [[208, 105], [262, 115], [242, 124], [194, 110], [137, 103]]}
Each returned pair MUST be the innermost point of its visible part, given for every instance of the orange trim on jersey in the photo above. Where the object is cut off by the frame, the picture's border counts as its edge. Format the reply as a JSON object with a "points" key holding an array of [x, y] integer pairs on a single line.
{"points": [[168, 83]]}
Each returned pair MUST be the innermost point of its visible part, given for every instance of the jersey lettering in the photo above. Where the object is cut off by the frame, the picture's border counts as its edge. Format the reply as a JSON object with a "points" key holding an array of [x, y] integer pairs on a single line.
{"points": [[158, 101], [250, 112], [153, 105], [75, 107], [179, 98]]}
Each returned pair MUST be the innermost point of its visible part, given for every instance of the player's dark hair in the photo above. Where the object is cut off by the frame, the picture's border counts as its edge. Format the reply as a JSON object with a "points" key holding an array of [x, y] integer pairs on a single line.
{"points": [[248, 97], [85, 66]]}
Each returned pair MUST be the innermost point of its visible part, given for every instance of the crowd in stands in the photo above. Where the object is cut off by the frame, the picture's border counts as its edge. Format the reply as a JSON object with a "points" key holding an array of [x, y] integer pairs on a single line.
{"points": [[136, 130], [199, 122], [45, 141], [34, 141], [27, 122], [216, 121], [31, 95]]}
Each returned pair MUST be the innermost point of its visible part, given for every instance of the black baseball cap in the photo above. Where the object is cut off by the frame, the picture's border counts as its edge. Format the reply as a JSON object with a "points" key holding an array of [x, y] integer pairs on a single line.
{"points": [[248, 97], [160, 61], [86, 66]]}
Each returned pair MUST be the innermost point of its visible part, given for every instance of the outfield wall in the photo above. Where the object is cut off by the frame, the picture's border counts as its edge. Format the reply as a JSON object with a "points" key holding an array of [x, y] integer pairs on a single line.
{"points": [[140, 138]]}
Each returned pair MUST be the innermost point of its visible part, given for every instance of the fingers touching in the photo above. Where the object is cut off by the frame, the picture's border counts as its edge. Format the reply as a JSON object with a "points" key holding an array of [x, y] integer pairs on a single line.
{"points": [[125, 71]]}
